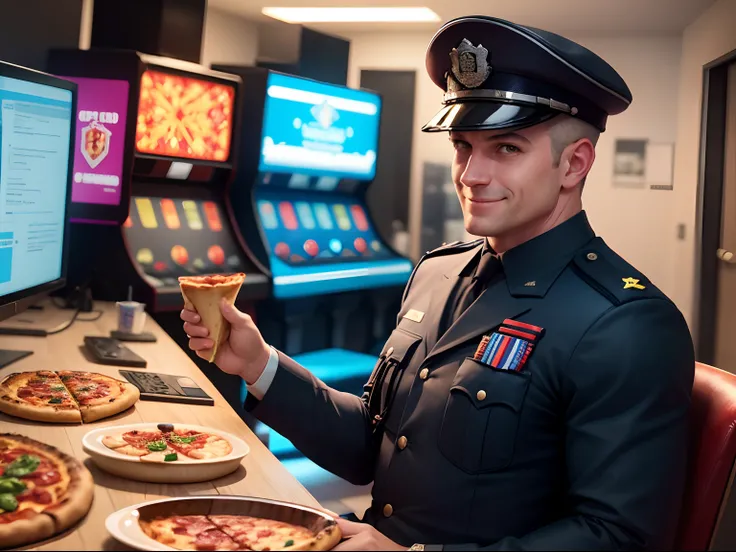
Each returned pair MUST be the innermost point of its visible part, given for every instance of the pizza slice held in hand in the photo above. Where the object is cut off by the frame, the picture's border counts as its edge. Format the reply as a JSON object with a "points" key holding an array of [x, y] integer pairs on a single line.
{"points": [[204, 295]]}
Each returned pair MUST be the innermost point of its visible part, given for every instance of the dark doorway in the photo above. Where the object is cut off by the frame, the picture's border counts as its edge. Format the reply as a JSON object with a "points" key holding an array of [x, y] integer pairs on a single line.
{"points": [[716, 324], [388, 195]]}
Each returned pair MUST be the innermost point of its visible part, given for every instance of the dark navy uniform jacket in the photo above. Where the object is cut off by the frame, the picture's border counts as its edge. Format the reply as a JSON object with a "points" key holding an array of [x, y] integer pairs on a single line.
{"points": [[584, 448]]}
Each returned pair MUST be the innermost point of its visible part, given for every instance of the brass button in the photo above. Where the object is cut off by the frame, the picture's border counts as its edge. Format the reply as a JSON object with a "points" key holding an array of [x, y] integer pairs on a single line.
{"points": [[403, 441], [481, 395], [388, 510], [592, 256], [424, 374], [390, 351]]}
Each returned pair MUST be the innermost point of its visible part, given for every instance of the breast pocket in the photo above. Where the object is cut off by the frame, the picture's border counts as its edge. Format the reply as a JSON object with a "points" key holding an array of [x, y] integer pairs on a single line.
{"points": [[481, 417], [383, 389]]}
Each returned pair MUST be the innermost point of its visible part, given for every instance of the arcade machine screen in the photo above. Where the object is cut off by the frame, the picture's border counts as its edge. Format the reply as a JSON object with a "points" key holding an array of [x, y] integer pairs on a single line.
{"points": [[188, 120], [184, 117], [319, 149]]}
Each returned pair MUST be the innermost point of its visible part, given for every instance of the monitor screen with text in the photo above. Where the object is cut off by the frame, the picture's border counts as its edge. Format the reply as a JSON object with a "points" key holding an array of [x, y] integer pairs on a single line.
{"points": [[35, 137]]}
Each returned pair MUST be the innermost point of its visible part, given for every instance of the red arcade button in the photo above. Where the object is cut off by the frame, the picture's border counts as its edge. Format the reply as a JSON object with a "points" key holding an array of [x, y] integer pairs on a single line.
{"points": [[311, 248]]}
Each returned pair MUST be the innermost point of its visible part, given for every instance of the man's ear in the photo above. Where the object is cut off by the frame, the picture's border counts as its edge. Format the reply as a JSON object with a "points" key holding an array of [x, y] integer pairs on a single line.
{"points": [[577, 160]]}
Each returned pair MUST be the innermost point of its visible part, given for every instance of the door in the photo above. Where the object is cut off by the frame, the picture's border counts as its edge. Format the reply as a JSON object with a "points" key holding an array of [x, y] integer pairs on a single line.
{"points": [[725, 345]]}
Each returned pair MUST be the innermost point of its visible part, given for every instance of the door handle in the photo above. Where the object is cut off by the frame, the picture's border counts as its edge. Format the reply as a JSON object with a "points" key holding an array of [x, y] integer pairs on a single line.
{"points": [[726, 256]]}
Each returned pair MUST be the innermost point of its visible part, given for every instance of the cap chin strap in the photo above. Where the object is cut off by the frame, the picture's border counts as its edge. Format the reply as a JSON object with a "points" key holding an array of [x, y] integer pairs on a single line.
{"points": [[510, 97]]}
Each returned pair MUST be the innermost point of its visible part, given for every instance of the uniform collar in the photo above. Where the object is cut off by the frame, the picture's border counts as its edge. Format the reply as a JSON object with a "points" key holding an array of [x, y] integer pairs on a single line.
{"points": [[532, 267]]}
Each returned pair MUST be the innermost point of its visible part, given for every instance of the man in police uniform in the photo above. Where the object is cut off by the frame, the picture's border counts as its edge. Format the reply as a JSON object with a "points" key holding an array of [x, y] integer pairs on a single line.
{"points": [[565, 427]]}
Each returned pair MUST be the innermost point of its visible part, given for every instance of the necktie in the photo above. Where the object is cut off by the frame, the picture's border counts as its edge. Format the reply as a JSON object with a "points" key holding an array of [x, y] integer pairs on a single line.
{"points": [[488, 266]]}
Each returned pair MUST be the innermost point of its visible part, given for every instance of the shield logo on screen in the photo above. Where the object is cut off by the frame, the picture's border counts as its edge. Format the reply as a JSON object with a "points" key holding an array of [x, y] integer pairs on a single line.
{"points": [[95, 143]]}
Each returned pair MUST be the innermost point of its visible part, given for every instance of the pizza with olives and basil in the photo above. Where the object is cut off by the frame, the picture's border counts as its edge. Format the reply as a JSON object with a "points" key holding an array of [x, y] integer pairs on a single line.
{"points": [[234, 532], [65, 397], [168, 444], [42, 490]]}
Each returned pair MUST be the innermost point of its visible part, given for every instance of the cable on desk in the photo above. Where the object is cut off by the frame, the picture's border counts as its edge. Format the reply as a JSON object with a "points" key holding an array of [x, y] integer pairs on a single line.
{"points": [[99, 314], [67, 325]]}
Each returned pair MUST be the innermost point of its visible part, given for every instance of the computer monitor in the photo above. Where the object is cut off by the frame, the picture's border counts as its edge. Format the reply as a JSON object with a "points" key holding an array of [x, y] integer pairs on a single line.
{"points": [[36, 137]]}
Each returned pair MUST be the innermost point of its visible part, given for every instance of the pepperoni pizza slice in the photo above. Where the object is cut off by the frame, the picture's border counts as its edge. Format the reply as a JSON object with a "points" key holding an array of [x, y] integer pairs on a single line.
{"points": [[204, 295], [99, 396], [188, 533], [252, 533]]}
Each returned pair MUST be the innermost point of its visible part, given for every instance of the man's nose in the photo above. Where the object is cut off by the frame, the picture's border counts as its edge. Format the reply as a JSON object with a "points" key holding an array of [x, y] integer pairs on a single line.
{"points": [[478, 172]]}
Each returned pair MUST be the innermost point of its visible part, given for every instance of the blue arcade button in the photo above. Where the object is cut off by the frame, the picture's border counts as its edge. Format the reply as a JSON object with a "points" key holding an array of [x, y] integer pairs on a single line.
{"points": [[335, 246]]}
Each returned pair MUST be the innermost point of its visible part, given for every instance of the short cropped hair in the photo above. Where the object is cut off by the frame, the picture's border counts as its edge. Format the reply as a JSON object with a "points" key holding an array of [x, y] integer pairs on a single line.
{"points": [[565, 130]]}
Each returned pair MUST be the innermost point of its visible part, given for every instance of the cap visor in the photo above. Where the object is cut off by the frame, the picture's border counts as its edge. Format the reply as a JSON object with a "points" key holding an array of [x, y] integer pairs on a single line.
{"points": [[486, 115]]}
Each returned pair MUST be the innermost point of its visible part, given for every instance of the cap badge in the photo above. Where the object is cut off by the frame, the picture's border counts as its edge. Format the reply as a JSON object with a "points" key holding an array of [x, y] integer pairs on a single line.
{"points": [[470, 64]]}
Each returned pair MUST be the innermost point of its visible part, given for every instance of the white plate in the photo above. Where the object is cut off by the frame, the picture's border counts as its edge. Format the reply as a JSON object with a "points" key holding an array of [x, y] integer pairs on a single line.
{"points": [[183, 470], [123, 525]]}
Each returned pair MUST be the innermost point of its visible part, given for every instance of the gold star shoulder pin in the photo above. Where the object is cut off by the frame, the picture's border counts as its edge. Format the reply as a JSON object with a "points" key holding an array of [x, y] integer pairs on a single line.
{"points": [[631, 283]]}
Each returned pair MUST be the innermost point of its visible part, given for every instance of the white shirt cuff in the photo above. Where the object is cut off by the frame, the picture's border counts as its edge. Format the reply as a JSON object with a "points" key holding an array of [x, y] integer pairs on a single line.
{"points": [[262, 384]]}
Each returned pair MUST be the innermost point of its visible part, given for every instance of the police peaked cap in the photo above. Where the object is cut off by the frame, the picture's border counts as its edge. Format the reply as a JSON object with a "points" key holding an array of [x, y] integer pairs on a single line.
{"points": [[500, 75]]}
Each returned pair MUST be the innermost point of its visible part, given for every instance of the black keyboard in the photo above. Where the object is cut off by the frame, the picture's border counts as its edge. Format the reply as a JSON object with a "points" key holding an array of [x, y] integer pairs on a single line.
{"points": [[106, 350], [167, 388]]}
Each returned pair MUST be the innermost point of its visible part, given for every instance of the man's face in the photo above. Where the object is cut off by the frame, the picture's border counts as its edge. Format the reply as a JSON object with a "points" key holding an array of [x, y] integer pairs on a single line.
{"points": [[504, 180]]}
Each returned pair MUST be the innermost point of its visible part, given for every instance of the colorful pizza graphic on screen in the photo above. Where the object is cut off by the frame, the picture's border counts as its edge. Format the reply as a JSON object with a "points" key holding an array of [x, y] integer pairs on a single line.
{"points": [[184, 117]]}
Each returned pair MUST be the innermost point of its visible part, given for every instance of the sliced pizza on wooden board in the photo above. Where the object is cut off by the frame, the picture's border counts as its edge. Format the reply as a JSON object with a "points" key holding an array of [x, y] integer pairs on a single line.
{"points": [[65, 397]]}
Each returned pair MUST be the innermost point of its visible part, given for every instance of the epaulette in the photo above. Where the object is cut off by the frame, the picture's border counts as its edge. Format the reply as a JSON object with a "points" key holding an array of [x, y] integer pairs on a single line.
{"points": [[604, 270], [451, 248], [444, 249]]}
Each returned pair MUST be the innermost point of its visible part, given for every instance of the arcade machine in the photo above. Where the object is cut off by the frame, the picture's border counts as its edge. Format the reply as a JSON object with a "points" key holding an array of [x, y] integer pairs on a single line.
{"points": [[177, 155], [300, 200]]}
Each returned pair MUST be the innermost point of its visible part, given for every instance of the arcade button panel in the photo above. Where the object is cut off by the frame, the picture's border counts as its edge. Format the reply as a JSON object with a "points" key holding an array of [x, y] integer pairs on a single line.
{"points": [[169, 238], [320, 231]]}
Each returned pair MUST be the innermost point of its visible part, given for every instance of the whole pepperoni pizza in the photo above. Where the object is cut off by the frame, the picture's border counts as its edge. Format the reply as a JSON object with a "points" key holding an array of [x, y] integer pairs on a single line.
{"points": [[42, 490]]}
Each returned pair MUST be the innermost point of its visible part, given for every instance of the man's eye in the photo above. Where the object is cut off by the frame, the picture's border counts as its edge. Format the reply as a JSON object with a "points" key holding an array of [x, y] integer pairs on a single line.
{"points": [[459, 145], [508, 148]]}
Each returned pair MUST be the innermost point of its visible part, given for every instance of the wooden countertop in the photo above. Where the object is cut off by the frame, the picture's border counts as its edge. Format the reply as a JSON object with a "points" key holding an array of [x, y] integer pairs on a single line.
{"points": [[260, 474]]}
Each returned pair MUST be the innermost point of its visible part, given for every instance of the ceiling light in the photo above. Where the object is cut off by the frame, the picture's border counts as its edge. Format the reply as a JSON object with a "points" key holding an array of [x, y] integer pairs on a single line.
{"points": [[351, 15]]}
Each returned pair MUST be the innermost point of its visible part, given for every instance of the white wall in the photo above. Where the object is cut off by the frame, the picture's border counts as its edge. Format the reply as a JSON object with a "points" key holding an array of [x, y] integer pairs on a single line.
{"points": [[228, 39], [638, 223], [712, 35]]}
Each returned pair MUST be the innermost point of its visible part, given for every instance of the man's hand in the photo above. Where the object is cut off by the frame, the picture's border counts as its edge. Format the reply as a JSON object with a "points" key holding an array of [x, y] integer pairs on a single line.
{"points": [[245, 353], [361, 536]]}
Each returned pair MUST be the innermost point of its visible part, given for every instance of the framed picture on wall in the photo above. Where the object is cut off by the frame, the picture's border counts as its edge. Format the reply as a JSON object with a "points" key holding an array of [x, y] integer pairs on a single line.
{"points": [[641, 163], [629, 163]]}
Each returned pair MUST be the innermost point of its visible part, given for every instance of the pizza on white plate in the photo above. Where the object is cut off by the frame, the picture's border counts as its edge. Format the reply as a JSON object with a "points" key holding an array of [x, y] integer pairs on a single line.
{"points": [[235, 532], [168, 443]]}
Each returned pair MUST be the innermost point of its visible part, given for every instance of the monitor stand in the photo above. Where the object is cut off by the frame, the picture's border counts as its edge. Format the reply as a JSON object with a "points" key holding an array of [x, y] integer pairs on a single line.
{"points": [[9, 357]]}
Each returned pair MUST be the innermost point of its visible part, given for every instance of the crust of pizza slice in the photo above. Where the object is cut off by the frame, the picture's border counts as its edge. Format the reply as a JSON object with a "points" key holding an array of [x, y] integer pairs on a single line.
{"points": [[204, 294]]}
